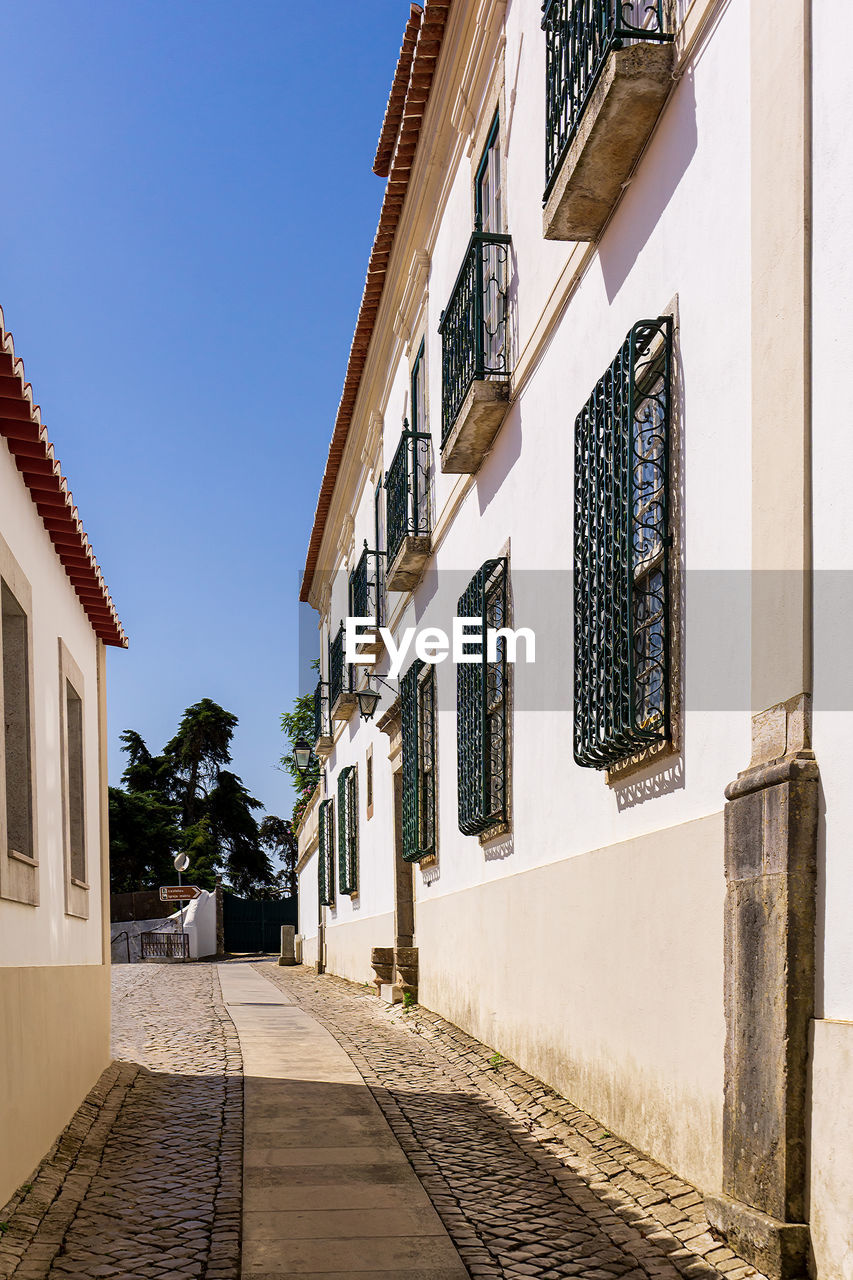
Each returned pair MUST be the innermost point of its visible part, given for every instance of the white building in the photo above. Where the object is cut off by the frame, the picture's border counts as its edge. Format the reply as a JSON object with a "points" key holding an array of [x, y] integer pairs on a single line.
{"points": [[57, 619], [624, 866]]}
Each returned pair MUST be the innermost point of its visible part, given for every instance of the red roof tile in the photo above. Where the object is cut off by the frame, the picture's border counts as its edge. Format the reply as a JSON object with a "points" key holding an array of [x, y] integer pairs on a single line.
{"points": [[26, 437]]}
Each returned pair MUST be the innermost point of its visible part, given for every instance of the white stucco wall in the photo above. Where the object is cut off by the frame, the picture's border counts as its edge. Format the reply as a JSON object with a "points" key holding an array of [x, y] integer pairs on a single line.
{"points": [[44, 934]]}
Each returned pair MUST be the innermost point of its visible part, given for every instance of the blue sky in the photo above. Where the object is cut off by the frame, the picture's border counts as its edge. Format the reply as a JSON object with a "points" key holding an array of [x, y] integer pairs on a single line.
{"points": [[188, 208]]}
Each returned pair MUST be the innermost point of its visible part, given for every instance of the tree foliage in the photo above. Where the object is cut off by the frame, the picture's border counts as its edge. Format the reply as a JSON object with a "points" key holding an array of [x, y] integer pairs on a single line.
{"points": [[186, 801], [295, 724]]}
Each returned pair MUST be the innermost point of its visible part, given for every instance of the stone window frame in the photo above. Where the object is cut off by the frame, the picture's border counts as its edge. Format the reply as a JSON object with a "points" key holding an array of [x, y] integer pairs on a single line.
{"points": [[76, 889], [19, 872]]}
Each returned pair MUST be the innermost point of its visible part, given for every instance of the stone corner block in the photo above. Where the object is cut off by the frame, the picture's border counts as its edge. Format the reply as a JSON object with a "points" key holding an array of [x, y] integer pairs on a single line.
{"points": [[477, 423], [614, 129], [778, 1249]]}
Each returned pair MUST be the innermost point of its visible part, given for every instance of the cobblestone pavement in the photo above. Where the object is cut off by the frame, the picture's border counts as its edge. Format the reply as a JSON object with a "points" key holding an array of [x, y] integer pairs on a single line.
{"points": [[526, 1184], [146, 1180]]}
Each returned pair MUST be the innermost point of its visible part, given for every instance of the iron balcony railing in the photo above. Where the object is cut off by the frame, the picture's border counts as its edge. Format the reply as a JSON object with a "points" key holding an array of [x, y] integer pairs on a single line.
{"points": [[579, 36], [321, 711], [367, 587], [407, 490], [340, 672], [165, 946], [474, 325]]}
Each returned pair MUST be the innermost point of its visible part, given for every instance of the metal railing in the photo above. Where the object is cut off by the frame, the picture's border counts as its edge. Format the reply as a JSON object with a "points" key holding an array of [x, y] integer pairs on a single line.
{"points": [[165, 946], [321, 712], [367, 587], [579, 36], [474, 325], [407, 490], [340, 672]]}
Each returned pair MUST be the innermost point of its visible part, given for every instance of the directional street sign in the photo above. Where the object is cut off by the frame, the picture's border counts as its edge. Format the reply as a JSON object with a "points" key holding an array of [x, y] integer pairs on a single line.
{"points": [[179, 892]]}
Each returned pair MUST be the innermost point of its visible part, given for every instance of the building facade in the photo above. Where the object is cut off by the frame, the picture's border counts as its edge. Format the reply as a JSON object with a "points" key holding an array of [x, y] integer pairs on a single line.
{"points": [[593, 393], [57, 619]]}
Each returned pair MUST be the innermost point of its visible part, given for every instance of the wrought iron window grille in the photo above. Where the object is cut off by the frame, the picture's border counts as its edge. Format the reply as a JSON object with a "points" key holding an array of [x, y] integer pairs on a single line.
{"points": [[322, 726], [579, 37], [481, 708], [340, 672], [325, 853], [348, 830], [417, 708], [622, 543], [407, 490], [474, 326], [367, 587]]}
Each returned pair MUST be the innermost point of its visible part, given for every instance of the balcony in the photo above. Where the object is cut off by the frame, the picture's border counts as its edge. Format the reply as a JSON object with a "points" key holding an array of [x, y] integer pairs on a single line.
{"points": [[608, 72], [322, 729], [342, 699], [408, 510], [475, 364], [367, 596]]}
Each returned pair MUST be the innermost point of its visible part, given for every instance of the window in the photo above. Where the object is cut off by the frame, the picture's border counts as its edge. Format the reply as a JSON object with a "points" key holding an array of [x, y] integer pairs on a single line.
{"points": [[489, 217], [417, 703], [621, 554], [17, 744], [481, 708], [488, 186], [325, 853], [348, 830]]}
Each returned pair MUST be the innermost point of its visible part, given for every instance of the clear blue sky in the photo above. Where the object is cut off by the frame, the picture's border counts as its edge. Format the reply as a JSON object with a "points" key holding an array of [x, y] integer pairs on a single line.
{"points": [[188, 207]]}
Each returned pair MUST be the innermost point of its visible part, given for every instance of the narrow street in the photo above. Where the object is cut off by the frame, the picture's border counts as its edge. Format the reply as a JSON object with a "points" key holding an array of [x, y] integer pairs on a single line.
{"points": [[373, 1142]]}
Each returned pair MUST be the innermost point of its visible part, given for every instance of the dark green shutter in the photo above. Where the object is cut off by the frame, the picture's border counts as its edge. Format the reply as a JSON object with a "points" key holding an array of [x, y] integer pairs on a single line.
{"points": [[409, 732], [481, 733], [347, 830], [325, 862], [621, 660]]}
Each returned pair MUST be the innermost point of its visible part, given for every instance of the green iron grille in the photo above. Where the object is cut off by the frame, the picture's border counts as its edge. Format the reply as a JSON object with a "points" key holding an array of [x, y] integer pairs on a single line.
{"points": [[407, 490], [481, 707], [325, 856], [474, 326], [366, 587], [579, 36], [621, 554], [340, 675], [348, 829], [417, 706], [321, 712]]}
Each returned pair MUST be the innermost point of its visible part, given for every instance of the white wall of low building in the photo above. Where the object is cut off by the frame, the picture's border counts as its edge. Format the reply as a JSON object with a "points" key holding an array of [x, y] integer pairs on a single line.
{"points": [[45, 934]]}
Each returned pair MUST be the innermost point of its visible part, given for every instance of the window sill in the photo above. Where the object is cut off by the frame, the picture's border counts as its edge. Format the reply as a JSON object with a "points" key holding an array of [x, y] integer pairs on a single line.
{"points": [[617, 774], [80, 884], [22, 857]]}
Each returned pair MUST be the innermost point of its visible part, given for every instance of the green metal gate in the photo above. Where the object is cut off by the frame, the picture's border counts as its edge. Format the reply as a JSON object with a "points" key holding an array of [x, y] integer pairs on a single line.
{"points": [[256, 926]]}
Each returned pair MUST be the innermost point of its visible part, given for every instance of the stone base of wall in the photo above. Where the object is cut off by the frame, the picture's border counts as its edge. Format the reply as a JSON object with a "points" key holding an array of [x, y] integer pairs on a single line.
{"points": [[603, 976], [57, 1043], [831, 1149], [350, 943]]}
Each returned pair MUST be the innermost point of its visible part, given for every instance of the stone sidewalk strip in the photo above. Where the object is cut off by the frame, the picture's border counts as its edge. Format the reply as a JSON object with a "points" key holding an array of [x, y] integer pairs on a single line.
{"points": [[526, 1184], [327, 1190], [146, 1180]]}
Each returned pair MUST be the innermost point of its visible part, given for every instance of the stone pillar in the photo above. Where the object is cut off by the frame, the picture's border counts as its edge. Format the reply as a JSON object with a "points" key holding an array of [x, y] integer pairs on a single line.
{"points": [[770, 864], [288, 945]]}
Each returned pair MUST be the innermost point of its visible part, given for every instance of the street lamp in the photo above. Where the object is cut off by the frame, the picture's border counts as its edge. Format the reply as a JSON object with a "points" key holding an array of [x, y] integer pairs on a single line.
{"points": [[368, 700], [302, 755]]}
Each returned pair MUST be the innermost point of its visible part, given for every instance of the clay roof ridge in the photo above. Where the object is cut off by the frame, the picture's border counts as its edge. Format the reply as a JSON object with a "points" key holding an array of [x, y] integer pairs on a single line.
{"points": [[27, 439], [397, 96], [426, 52]]}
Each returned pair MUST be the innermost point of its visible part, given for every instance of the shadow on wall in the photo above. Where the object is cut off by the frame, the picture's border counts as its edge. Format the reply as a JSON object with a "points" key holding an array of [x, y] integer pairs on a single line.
{"points": [[673, 145]]}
